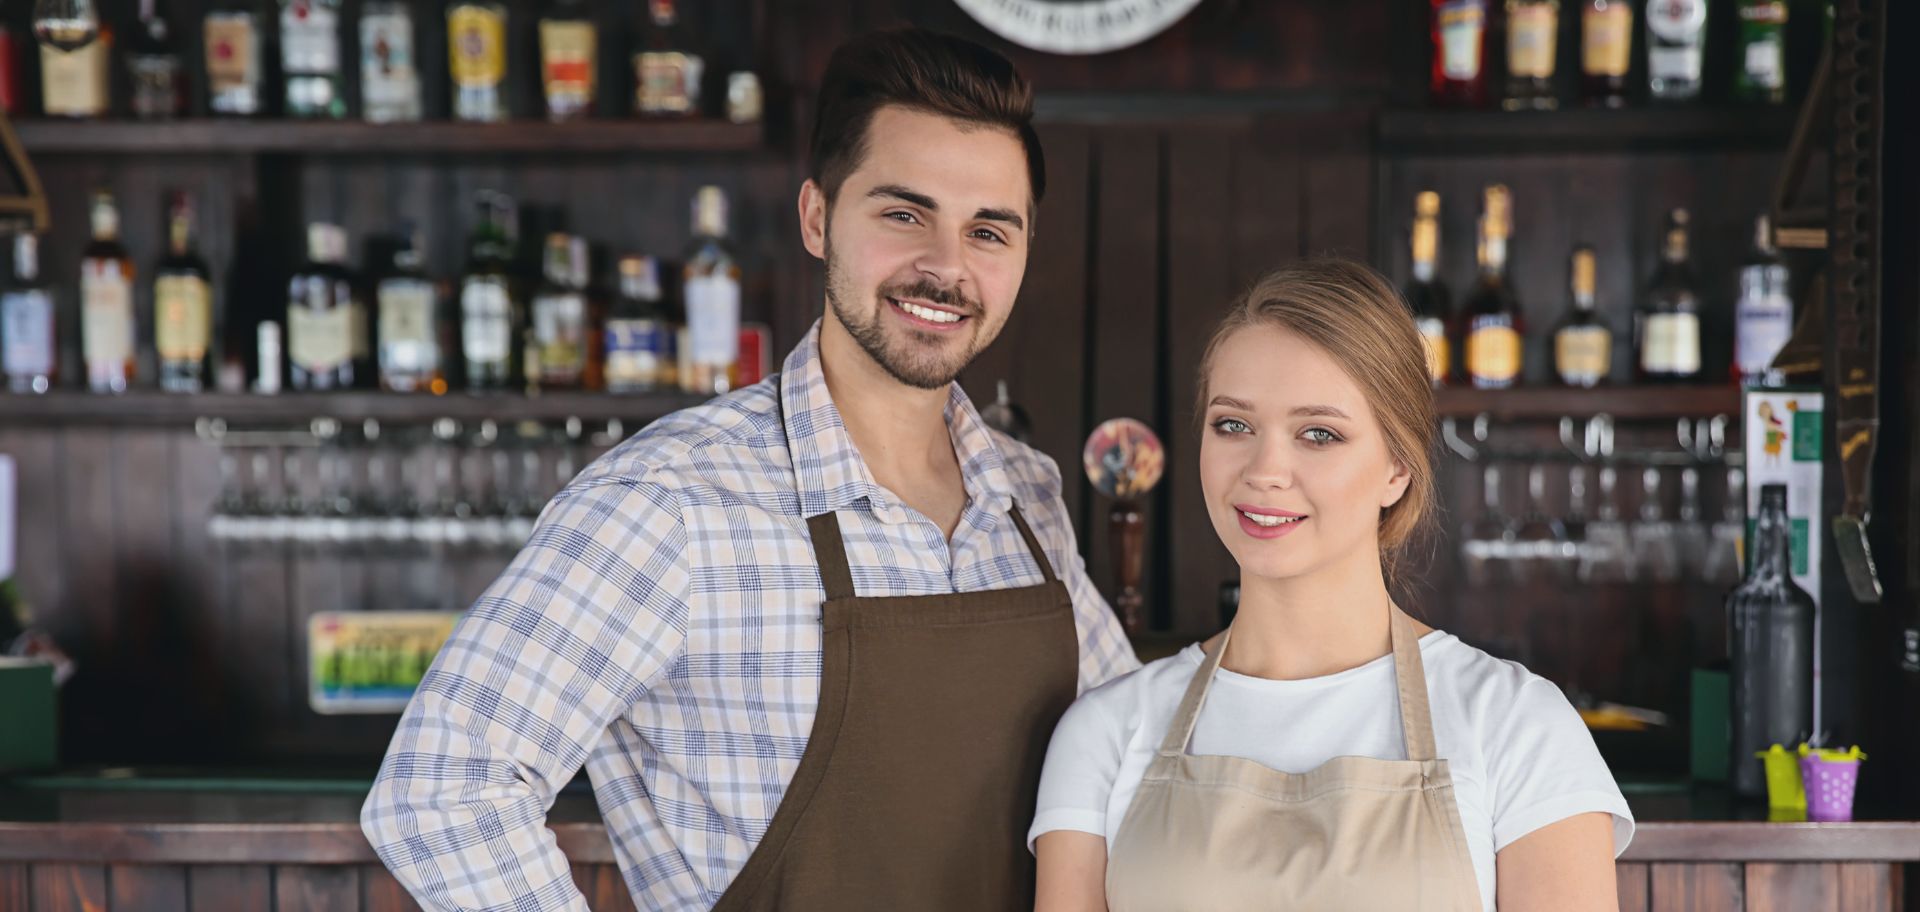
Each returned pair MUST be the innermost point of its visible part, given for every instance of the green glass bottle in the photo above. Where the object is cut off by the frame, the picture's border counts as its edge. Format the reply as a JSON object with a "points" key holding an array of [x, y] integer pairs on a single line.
{"points": [[1762, 77]]}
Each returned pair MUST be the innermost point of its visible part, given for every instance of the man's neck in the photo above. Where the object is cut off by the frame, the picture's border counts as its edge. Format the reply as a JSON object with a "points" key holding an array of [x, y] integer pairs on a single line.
{"points": [[901, 432]]}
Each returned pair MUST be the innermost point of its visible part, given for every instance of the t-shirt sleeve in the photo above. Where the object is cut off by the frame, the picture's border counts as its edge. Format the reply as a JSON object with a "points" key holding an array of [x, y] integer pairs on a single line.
{"points": [[1544, 768], [1082, 762]]}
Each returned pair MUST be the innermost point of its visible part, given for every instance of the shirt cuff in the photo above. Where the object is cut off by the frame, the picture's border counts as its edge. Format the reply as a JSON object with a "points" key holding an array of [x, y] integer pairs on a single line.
{"points": [[1517, 824], [1077, 819]]}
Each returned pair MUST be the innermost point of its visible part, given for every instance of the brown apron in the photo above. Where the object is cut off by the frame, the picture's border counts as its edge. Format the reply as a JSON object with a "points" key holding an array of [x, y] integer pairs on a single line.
{"points": [[920, 773], [1207, 832]]}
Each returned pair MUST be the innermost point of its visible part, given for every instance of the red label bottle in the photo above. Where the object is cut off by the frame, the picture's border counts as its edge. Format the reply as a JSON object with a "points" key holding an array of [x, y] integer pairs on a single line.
{"points": [[1459, 53]]}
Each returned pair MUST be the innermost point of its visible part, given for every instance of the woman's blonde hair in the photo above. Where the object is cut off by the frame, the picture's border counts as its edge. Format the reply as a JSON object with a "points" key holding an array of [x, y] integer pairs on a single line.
{"points": [[1354, 315]]}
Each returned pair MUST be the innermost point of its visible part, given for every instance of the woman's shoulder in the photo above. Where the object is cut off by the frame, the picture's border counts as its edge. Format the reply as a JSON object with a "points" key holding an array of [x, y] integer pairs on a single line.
{"points": [[1497, 696], [1144, 691]]}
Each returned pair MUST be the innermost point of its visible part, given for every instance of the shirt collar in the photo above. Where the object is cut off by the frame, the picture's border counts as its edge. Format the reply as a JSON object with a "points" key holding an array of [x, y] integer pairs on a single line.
{"points": [[828, 471]]}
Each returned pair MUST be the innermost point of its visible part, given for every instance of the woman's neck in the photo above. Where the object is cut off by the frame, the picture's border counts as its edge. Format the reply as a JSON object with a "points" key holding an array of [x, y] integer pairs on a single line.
{"points": [[1309, 626]]}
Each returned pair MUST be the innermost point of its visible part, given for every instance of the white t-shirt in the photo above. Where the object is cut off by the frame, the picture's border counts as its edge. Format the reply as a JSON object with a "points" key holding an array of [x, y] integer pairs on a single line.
{"points": [[1519, 754]]}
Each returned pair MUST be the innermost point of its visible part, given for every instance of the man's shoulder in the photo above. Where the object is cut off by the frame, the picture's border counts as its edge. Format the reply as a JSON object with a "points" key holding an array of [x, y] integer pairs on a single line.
{"points": [[725, 442], [1034, 474]]}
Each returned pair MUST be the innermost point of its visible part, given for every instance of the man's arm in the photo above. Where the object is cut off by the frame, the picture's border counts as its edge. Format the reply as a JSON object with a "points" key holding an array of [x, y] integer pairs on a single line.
{"points": [[586, 618]]}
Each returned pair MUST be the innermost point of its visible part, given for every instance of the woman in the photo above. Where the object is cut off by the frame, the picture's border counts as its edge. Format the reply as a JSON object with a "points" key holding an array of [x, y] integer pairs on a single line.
{"points": [[1326, 751]]}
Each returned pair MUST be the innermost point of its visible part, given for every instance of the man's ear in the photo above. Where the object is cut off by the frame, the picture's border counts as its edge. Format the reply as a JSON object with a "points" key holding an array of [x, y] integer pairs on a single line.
{"points": [[813, 219]]}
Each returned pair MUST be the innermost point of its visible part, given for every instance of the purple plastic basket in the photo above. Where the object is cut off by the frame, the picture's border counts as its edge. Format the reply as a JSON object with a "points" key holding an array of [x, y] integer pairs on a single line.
{"points": [[1829, 785]]}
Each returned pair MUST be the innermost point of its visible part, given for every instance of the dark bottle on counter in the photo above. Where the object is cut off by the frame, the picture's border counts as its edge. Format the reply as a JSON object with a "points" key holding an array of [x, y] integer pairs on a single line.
{"points": [[182, 305], [491, 312], [1770, 642], [28, 353], [1667, 325], [1432, 307], [1582, 345], [321, 314], [153, 66]]}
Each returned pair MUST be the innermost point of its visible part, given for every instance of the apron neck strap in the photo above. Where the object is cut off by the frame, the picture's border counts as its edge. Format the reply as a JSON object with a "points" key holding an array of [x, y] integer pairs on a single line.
{"points": [[1409, 672], [830, 551], [1033, 543]]}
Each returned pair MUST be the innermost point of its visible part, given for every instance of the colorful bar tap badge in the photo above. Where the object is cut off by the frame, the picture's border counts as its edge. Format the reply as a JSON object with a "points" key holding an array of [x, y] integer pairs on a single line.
{"points": [[371, 661]]}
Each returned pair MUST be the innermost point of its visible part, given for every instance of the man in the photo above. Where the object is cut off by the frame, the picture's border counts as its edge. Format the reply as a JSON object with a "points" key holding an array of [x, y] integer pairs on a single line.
{"points": [[809, 639]]}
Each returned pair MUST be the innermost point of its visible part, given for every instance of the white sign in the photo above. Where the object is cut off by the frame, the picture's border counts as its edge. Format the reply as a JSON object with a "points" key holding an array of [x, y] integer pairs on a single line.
{"points": [[1077, 26], [1783, 431], [6, 516]]}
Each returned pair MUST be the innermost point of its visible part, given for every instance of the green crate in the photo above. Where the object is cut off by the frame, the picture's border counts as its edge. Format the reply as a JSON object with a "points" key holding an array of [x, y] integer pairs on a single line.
{"points": [[27, 718]]}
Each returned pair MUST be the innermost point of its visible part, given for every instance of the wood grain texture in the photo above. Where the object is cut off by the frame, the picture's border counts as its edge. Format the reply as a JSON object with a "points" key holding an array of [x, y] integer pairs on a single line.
{"points": [[1631, 881], [147, 888], [220, 887], [70, 887], [315, 888], [1696, 888]]}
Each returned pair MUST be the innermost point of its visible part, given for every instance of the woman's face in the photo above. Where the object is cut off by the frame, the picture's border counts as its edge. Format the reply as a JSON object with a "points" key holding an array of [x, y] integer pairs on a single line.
{"points": [[1293, 463]]}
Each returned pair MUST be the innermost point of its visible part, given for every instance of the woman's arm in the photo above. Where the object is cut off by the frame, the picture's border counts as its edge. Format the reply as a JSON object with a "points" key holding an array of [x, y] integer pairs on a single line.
{"points": [[1073, 872], [1565, 867]]}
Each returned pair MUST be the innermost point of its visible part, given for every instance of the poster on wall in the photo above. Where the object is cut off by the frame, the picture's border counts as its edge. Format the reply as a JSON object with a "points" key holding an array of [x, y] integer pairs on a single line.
{"points": [[1783, 445], [1077, 26], [371, 661]]}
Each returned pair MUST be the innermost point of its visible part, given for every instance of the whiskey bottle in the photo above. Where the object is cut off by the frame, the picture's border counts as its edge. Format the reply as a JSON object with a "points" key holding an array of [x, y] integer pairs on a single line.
{"points": [[153, 66], [568, 59], [182, 305], [1533, 36], [477, 57], [321, 299], [1667, 331], [1582, 345], [711, 285], [106, 302], [1493, 322], [28, 354], [641, 332], [389, 74], [74, 50], [491, 313], [233, 39], [310, 58], [559, 327], [409, 307], [1606, 51], [668, 69], [1432, 308]]}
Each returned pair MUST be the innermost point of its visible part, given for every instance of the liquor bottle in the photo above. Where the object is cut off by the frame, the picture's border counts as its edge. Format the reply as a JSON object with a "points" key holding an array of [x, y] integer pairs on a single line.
{"points": [[28, 354], [1762, 76], [1493, 324], [74, 51], [711, 285], [558, 335], [1459, 53], [9, 72], [1533, 35], [1667, 329], [1606, 51], [1763, 316], [1431, 306], [389, 78], [233, 37], [1582, 345], [667, 69], [310, 58], [477, 57], [153, 66], [321, 300], [106, 302], [1771, 648], [491, 313], [1676, 44], [641, 332], [408, 303], [568, 59], [182, 305]]}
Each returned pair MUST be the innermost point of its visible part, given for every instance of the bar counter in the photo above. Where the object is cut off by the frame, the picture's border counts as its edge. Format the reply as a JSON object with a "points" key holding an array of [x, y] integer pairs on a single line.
{"points": [[169, 842]]}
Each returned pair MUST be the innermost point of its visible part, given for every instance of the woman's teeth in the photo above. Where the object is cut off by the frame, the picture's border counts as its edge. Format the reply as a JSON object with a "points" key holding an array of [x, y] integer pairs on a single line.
{"points": [[1270, 521], [927, 313]]}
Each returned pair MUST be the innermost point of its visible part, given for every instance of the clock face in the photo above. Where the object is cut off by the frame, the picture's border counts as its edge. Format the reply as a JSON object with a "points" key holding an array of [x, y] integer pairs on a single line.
{"points": [[1077, 26]]}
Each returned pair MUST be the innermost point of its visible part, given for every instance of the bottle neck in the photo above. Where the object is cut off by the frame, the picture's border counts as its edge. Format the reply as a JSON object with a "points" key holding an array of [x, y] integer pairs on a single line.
{"points": [[26, 258], [1426, 243], [1772, 543], [106, 222], [180, 234]]}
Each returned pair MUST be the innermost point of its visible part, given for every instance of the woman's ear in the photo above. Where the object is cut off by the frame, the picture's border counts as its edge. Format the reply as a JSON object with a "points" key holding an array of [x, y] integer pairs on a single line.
{"points": [[1397, 480]]}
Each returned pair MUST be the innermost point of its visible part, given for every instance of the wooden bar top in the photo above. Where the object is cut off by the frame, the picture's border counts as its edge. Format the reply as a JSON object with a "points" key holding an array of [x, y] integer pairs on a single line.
{"points": [[320, 825]]}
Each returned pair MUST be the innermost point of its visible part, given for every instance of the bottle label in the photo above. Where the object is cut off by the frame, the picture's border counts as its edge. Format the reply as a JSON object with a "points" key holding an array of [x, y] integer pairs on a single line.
{"points": [[1677, 21], [1606, 40], [26, 332], [713, 318], [318, 339], [74, 83], [1433, 333], [408, 344], [1493, 352], [1462, 25], [183, 317], [638, 354], [560, 333], [486, 327], [1671, 344], [1763, 321], [669, 82], [310, 37], [567, 61], [106, 304], [233, 77], [388, 79], [1583, 355], [156, 84], [1533, 32], [1674, 63], [478, 39], [1764, 65]]}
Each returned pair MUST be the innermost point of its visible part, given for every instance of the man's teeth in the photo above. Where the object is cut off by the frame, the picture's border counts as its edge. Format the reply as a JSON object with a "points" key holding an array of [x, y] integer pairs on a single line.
{"points": [[928, 314], [1270, 521]]}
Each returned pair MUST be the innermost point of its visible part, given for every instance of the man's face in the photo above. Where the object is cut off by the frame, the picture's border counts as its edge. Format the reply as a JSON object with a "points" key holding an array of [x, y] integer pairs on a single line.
{"points": [[925, 243]]}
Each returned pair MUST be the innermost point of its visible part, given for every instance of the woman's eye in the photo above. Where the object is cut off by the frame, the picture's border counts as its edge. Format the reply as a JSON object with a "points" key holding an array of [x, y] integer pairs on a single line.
{"points": [[1321, 435], [1231, 426]]}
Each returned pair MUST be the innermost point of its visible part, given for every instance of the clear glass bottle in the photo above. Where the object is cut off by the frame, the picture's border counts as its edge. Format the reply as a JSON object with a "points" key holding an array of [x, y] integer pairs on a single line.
{"points": [[389, 71], [409, 306], [1770, 644], [641, 332], [106, 302], [321, 300], [153, 66], [711, 288], [491, 310], [558, 335], [1432, 307], [310, 61], [1667, 325], [1676, 46], [477, 57], [1494, 326], [1582, 345], [569, 59], [233, 39], [182, 304], [1533, 38], [1763, 315], [29, 354], [668, 67]]}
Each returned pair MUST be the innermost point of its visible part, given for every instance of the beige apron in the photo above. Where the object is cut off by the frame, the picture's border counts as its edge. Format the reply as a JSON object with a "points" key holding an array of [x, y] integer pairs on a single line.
{"points": [[1227, 833]]}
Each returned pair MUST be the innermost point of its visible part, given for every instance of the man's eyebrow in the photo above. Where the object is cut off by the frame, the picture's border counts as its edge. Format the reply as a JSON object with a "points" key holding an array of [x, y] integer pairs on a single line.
{"points": [[904, 195], [1002, 215]]}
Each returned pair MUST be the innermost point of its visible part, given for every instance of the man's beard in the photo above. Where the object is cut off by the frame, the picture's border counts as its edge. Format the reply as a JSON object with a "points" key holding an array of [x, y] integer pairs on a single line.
{"points": [[916, 368]]}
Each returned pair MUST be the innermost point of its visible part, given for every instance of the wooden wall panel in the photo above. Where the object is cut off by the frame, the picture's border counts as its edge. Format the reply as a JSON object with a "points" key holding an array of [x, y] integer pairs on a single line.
{"points": [[147, 888], [1631, 883], [218, 888], [16, 886], [76, 887], [315, 888], [1783, 887], [1696, 888], [380, 892]]}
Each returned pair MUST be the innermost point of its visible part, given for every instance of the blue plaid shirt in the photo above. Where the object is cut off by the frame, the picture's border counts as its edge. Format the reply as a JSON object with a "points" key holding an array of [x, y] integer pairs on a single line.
{"points": [[662, 628]]}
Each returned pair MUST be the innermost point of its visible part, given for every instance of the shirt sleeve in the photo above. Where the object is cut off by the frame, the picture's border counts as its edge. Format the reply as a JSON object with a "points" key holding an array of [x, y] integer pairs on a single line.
{"points": [[586, 618], [1083, 761], [1543, 767]]}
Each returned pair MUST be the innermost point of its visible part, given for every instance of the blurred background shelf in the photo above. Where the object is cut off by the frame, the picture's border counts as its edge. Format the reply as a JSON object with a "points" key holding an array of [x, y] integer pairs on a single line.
{"points": [[149, 408], [1621, 402], [1427, 131], [348, 137]]}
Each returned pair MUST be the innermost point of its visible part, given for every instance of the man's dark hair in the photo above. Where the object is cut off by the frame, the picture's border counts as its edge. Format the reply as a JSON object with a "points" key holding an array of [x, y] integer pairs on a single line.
{"points": [[924, 71]]}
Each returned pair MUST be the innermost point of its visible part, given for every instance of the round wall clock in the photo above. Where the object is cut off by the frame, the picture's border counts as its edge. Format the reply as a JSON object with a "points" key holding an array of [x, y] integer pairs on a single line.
{"points": [[1077, 26]]}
